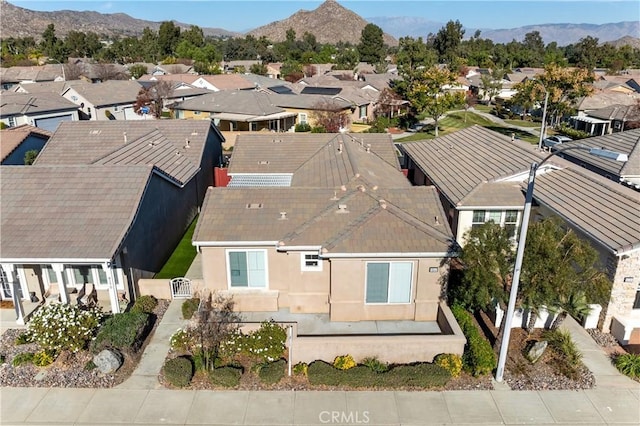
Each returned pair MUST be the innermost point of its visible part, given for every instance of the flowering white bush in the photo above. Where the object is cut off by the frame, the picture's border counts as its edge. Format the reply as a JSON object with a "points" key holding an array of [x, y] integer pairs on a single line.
{"points": [[267, 343], [59, 327]]}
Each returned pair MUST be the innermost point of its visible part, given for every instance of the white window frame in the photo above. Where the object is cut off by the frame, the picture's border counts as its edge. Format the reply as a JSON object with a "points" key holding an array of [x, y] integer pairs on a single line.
{"points": [[502, 222], [303, 118], [362, 111], [310, 268], [248, 287], [12, 121], [389, 285]]}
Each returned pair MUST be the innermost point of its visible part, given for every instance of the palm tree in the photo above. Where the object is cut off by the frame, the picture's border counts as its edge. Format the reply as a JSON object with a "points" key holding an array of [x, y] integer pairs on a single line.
{"points": [[575, 305]]}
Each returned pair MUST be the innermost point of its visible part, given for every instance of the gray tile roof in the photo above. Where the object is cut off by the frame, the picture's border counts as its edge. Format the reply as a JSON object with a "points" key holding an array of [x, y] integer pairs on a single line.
{"points": [[48, 72], [458, 162], [627, 142], [12, 137], [103, 142], [604, 210], [408, 220], [617, 112], [490, 194], [68, 212], [315, 160], [110, 92], [12, 104], [249, 102]]}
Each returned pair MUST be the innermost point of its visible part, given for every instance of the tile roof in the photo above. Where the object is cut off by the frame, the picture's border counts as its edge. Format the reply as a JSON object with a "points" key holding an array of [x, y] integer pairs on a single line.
{"points": [[315, 160], [110, 92], [605, 98], [29, 104], [12, 137], [490, 194], [69, 212], [227, 81], [247, 102], [103, 142], [408, 220], [48, 72], [606, 211], [56, 87], [458, 162], [627, 142]]}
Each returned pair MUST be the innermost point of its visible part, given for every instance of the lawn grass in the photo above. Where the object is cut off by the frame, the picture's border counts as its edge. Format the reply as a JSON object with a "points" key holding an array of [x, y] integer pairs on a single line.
{"points": [[181, 258], [456, 121], [483, 108], [523, 123]]}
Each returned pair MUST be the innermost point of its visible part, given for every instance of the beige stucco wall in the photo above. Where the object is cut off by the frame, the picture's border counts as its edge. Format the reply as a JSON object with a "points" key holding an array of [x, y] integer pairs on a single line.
{"points": [[339, 289]]}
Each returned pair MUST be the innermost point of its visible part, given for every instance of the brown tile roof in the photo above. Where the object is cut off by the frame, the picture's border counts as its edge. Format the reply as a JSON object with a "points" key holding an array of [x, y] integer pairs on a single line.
{"points": [[458, 162], [314, 160], [103, 142], [604, 210], [68, 212], [110, 92], [409, 220], [27, 104], [12, 137], [627, 142]]}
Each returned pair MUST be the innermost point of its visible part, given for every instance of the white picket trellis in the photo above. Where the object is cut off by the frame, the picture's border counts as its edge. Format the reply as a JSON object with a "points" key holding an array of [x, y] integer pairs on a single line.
{"points": [[181, 288]]}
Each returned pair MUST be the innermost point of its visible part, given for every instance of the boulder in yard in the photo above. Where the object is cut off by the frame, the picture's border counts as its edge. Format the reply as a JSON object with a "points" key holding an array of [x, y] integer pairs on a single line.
{"points": [[536, 351], [108, 361]]}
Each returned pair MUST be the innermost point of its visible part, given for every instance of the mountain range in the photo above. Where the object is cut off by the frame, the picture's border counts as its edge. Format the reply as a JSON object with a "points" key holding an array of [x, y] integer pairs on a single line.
{"points": [[330, 23]]}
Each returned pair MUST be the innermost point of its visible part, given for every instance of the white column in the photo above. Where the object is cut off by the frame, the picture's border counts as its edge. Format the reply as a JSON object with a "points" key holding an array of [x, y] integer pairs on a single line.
{"points": [[113, 291], [15, 292], [58, 268]]}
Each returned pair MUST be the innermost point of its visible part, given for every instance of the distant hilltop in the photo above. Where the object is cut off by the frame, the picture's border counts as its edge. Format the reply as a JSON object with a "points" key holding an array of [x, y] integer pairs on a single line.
{"points": [[329, 23]]}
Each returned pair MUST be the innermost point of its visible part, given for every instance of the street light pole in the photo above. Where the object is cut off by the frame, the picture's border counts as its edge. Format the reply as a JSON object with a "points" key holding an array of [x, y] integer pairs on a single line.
{"points": [[544, 117], [513, 294]]}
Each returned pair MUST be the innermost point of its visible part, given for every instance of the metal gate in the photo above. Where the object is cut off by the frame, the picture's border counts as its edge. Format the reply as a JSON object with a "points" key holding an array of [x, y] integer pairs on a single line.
{"points": [[181, 288]]}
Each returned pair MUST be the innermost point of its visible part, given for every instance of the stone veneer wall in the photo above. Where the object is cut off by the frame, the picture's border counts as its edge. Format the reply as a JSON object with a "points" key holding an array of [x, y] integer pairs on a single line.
{"points": [[622, 293]]}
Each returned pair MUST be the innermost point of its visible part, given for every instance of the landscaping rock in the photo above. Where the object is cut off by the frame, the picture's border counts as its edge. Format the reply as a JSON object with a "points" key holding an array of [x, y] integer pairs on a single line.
{"points": [[536, 351], [108, 361]]}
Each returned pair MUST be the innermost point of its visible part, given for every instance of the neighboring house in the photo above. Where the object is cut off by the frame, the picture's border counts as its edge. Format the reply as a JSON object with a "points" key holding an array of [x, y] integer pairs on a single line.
{"points": [[109, 100], [233, 111], [220, 82], [480, 176], [239, 66], [625, 81], [166, 69], [324, 230], [43, 110], [124, 195], [13, 76], [601, 100], [611, 119], [17, 141], [304, 106], [626, 173]]}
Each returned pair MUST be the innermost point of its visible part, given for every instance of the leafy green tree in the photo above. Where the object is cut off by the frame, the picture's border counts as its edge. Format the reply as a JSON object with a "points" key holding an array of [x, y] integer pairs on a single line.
{"points": [[347, 59], [291, 71], [260, 69], [168, 37], [447, 41], [371, 47], [30, 156], [413, 54], [194, 36], [585, 53], [532, 52], [427, 92], [137, 70]]}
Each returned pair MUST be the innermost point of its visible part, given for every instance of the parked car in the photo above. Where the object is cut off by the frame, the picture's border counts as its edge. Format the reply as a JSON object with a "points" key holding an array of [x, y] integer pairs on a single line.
{"points": [[552, 141], [417, 127]]}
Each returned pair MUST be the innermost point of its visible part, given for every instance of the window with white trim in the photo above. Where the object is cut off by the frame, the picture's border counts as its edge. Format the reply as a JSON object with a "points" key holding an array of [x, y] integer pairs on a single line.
{"points": [[636, 302], [310, 261], [389, 282], [507, 219], [302, 118], [363, 111], [247, 268]]}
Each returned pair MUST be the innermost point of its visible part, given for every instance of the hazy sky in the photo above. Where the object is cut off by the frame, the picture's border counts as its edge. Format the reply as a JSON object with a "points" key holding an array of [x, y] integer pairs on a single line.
{"points": [[241, 15]]}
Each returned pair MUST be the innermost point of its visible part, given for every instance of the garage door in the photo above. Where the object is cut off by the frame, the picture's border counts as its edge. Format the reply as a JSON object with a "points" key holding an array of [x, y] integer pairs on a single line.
{"points": [[51, 123]]}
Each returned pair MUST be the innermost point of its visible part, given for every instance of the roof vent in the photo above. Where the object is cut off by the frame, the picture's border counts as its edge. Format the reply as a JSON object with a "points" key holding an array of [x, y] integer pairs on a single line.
{"points": [[343, 188], [254, 206], [368, 147], [361, 188], [186, 143], [95, 132], [335, 196], [178, 153], [383, 203], [277, 140], [342, 208], [283, 216], [340, 147], [436, 220], [194, 133], [124, 134], [263, 162]]}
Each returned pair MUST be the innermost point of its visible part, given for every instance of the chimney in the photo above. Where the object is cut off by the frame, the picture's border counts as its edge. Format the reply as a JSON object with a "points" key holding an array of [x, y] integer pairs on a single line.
{"points": [[125, 136]]}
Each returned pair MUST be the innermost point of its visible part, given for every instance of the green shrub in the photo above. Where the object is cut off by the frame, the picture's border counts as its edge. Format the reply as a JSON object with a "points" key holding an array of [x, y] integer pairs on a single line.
{"points": [[562, 342], [90, 365], [178, 371], [59, 327], [23, 339], [272, 372], [375, 365], [22, 358], [43, 358], [629, 365], [182, 340], [450, 362], [478, 358], [303, 127], [189, 307], [344, 362], [145, 304], [318, 129], [226, 376], [266, 344], [3, 359], [123, 331], [301, 369], [420, 375], [569, 131]]}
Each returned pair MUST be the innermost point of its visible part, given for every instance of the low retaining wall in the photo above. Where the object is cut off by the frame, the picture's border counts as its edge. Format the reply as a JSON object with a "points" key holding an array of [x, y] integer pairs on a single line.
{"points": [[160, 289]]}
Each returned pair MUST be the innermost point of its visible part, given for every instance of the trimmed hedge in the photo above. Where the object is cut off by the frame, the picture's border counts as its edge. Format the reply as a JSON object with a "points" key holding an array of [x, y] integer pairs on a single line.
{"points": [[178, 371], [189, 307], [479, 358], [226, 376], [125, 331], [422, 375], [272, 372], [145, 304]]}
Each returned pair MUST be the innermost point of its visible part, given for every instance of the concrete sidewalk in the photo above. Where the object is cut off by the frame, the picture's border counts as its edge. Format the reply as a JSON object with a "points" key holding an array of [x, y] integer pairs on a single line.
{"points": [[141, 400]]}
